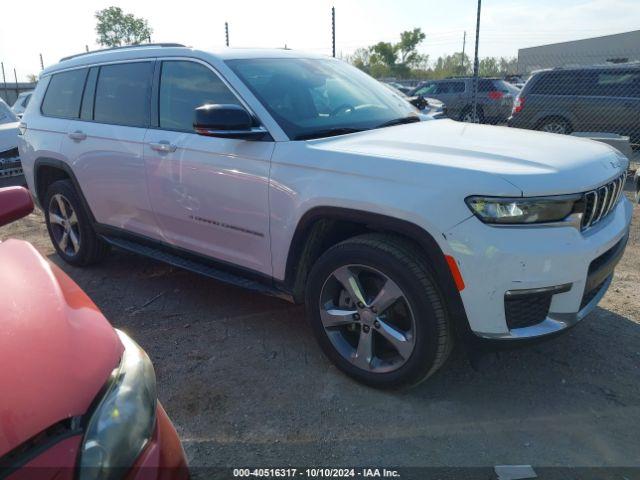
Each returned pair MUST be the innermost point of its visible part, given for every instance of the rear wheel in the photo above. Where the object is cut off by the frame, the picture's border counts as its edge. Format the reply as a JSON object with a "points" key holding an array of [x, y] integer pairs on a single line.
{"points": [[467, 115], [377, 312], [555, 125], [69, 226]]}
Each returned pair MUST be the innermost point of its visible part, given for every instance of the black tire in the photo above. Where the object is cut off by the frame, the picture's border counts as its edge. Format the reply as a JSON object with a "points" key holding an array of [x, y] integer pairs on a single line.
{"points": [[91, 248], [557, 125], [468, 111], [400, 261]]}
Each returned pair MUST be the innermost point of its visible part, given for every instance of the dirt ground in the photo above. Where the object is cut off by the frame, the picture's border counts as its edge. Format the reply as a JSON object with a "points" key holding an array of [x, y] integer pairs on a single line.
{"points": [[245, 383]]}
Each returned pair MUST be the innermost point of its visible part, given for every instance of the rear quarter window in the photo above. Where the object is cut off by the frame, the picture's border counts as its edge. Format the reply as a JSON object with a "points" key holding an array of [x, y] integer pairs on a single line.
{"points": [[64, 94]]}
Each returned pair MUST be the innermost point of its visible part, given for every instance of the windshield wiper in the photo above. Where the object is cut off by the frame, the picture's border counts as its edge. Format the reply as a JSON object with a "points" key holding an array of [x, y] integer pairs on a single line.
{"points": [[400, 121], [329, 132]]}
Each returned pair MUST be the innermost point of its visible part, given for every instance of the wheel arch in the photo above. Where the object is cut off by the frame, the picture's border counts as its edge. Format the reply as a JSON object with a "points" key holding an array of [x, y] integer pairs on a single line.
{"points": [[48, 170], [323, 227]]}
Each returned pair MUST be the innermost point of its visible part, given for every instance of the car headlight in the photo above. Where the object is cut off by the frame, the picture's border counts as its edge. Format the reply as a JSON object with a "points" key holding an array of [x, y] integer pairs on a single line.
{"points": [[518, 210], [123, 422]]}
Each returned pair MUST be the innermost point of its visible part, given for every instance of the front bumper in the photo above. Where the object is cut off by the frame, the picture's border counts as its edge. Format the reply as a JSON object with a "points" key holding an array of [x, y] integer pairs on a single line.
{"points": [[11, 169], [496, 260], [163, 458]]}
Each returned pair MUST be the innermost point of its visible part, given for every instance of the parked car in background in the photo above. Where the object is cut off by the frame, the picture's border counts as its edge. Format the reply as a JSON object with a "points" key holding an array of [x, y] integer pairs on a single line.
{"points": [[80, 395], [431, 108], [301, 176], [495, 98], [10, 167], [582, 99], [20, 105]]}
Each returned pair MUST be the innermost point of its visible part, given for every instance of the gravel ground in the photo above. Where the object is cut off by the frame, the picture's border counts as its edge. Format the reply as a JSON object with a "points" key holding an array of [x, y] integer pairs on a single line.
{"points": [[245, 383]]}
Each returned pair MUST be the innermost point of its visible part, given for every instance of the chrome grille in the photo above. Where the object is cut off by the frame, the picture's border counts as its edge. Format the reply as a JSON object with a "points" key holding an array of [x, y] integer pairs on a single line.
{"points": [[598, 203]]}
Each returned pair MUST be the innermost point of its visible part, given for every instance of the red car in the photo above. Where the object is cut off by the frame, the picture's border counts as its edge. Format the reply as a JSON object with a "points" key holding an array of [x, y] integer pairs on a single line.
{"points": [[77, 397]]}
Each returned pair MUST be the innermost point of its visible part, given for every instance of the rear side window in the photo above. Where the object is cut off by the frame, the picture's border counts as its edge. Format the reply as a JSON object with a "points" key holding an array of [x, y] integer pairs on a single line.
{"points": [[64, 94], [122, 94], [611, 83], [493, 86], [184, 86], [450, 87]]}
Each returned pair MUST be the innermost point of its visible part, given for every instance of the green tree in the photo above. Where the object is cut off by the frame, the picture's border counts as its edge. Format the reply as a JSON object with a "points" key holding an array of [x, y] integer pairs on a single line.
{"points": [[115, 28], [407, 48], [360, 58], [384, 53]]}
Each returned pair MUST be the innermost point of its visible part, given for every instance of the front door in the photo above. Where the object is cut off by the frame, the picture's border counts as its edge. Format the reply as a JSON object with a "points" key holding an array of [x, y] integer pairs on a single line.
{"points": [[209, 195]]}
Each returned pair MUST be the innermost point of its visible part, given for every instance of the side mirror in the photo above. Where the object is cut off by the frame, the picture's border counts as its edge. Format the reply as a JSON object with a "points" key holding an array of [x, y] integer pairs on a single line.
{"points": [[15, 203], [226, 121], [419, 102]]}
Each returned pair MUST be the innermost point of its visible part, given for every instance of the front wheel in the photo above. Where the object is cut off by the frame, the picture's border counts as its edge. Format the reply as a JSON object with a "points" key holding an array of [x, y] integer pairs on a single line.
{"points": [[377, 312]]}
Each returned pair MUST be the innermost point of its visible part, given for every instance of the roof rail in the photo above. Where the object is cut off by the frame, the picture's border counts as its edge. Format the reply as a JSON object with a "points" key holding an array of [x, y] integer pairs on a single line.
{"points": [[122, 48]]}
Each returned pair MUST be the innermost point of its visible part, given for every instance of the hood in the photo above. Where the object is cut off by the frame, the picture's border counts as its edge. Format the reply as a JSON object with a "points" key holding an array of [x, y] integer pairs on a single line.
{"points": [[536, 163], [8, 136], [56, 348]]}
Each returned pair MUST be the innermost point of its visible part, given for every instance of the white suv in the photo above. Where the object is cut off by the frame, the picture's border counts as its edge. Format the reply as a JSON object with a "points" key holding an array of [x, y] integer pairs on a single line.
{"points": [[303, 177]]}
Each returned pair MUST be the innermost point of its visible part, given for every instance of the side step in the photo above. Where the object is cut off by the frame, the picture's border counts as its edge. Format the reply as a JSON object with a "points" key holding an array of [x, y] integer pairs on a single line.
{"points": [[193, 265]]}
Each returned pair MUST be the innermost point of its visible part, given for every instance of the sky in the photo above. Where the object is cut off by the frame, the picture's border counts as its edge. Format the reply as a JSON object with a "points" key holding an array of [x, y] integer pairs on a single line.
{"points": [[63, 27]]}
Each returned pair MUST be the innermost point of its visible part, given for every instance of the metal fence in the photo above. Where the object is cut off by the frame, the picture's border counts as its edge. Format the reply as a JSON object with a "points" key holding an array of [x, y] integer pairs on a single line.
{"points": [[585, 88], [10, 92]]}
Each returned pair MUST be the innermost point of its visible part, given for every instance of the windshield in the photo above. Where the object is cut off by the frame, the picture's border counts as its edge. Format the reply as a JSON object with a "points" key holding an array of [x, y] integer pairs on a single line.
{"points": [[6, 115], [311, 98]]}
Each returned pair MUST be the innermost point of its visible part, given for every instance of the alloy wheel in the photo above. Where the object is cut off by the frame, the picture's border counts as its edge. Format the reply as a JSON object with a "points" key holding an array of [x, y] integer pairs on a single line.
{"points": [[64, 225], [470, 118], [367, 318], [554, 127]]}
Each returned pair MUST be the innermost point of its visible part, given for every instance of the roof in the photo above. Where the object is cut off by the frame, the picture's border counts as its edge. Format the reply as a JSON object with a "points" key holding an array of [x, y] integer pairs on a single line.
{"points": [[616, 36], [168, 50]]}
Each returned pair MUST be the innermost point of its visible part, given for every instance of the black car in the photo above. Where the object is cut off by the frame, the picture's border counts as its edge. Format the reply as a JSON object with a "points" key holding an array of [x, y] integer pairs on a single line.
{"points": [[581, 99]]}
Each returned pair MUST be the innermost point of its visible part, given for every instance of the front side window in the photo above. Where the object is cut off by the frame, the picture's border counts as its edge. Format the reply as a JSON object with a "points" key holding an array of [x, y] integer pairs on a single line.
{"points": [[320, 97], [122, 94], [184, 86], [64, 94], [428, 89], [6, 115]]}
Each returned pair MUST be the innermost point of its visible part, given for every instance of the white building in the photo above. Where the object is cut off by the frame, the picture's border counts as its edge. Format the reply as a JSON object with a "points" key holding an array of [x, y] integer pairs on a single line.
{"points": [[618, 48]]}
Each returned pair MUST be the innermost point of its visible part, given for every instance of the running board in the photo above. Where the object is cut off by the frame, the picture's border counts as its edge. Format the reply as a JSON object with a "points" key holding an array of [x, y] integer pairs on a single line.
{"points": [[196, 266]]}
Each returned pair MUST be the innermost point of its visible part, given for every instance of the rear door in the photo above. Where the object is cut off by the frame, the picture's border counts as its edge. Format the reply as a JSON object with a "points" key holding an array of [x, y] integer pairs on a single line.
{"points": [[209, 195], [105, 145], [614, 100], [452, 94]]}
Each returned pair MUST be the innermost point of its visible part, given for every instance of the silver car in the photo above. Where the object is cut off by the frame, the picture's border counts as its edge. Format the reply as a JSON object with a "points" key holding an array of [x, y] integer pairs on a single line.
{"points": [[495, 98]]}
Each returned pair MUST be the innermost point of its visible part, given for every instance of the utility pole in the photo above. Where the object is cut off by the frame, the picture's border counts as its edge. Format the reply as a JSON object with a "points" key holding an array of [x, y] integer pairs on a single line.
{"points": [[226, 32], [333, 31], [464, 45], [15, 75], [476, 67], [4, 81], [41, 63]]}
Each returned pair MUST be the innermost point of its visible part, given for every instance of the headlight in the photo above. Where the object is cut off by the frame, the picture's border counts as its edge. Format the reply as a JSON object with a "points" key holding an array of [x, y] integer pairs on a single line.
{"points": [[124, 420], [513, 211]]}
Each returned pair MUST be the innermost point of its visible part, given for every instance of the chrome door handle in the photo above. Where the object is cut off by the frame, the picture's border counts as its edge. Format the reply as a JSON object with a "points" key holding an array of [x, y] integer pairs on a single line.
{"points": [[77, 135], [163, 146]]}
